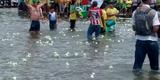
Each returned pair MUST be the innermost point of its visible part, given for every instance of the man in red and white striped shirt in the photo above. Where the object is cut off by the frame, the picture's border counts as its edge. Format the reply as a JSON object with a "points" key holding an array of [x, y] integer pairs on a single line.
{"points": [[95, 14]]}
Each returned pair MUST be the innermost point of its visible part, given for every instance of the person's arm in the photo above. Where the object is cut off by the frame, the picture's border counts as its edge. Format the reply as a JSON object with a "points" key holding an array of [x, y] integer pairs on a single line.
{"points": [[41, 13], [133, 21], [156, 23], [43, 3], [155, 28], [27, 3]]}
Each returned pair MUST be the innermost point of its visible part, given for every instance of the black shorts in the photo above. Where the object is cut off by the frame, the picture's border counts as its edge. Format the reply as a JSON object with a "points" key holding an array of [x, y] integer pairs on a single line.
{"points": [[35, 26]]}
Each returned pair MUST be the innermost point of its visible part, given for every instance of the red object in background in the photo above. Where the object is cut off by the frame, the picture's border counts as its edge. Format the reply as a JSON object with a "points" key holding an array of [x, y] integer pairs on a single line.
{"points": [[84, 2], [73, 1]]}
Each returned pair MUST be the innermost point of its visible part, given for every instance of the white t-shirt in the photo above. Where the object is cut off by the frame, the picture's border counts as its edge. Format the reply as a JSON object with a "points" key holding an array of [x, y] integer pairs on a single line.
{"points": [[155, 22], [14, 1], [53, 16]]}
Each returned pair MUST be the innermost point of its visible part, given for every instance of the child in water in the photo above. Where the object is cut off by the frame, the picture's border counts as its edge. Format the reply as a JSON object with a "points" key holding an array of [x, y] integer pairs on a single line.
{"points": [[52, 19], [73, 18]]}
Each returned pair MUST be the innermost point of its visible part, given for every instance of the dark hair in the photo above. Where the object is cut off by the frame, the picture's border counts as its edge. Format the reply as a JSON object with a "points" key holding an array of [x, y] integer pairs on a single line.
{"points": [[144, 1], [103, 6], [94, 4]]}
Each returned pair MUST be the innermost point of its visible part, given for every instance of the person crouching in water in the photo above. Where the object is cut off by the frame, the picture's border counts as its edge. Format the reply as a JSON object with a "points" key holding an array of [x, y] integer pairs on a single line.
{"points": [[95, 15], [73, 18], [35, 15], [111, 12], [52, 19]]}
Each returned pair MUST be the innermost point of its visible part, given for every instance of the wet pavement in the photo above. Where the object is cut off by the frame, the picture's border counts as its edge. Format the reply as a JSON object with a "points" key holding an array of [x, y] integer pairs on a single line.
{"points": [[65, 55]]}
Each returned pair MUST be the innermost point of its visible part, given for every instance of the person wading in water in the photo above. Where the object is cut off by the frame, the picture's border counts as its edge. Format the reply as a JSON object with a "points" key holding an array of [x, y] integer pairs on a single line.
{"points": [[35, 15]]}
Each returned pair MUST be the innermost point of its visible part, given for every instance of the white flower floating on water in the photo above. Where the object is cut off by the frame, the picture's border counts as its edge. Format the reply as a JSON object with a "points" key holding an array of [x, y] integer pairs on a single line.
{"points": [[122, 40], [24, 59], [96, 42], [16, 34], [56, 54], [111, 67], [39, 42], [13, 63], [105, 52], [51, 43], [61, 32], [80, 42], [48, 37], [84, 54], [14, 78], [29, 55], [11, 44], [92, 75], [55, 37], [64, 34], [119, 41], [5, 40], [48, 42], [102, 36], [87, 43], [67, 63], [78, 35], [107, 46], [76, 54], [67, 54], [110, 39], [96, 50], [67, 42]]}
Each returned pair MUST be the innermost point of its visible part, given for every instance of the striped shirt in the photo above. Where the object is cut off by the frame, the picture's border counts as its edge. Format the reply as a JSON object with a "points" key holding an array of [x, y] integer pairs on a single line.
{"points": [[95, 14]]}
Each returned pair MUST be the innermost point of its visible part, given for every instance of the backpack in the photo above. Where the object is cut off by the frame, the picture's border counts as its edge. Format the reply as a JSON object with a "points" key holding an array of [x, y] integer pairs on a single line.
{"points": [[142, 25]]}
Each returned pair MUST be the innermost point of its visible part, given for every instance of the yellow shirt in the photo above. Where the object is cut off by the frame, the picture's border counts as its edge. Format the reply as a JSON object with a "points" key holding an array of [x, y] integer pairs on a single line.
{"points": [[73, 16], [111, 13], [104, 16]]}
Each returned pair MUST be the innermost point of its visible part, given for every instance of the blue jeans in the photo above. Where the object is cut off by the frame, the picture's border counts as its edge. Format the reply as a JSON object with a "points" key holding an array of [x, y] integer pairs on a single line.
{"points": [[52, 24], [150, 48], [92, 29]]}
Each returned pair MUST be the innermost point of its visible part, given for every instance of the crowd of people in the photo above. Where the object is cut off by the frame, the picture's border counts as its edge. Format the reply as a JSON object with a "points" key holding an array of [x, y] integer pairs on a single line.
{"points": [[104, 16], [102, 19]]}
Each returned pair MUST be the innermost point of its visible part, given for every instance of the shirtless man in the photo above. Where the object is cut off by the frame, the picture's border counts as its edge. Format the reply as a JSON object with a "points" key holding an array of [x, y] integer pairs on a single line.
{"points": [[35, 15]]}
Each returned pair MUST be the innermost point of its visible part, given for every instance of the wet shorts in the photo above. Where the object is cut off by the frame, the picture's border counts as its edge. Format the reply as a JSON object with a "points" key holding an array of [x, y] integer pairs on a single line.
{"points": [[35, 26]]}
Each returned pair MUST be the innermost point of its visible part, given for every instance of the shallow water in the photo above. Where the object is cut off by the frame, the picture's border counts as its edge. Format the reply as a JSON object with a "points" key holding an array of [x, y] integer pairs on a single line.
{"points": [[64, 55]]}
